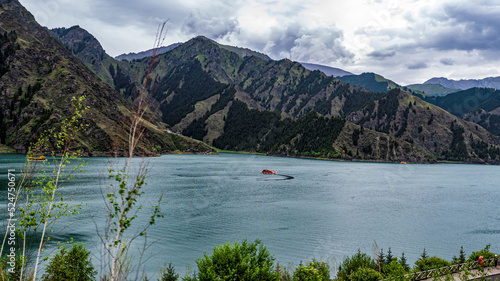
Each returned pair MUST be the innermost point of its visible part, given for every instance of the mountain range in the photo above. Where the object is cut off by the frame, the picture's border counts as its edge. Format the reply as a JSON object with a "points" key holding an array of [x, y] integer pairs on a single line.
{"points": [[231, 98], [464, 84]]}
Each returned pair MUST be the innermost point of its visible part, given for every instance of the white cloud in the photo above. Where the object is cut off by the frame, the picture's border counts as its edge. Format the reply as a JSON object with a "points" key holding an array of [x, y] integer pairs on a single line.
{"points": [[408, 41]]}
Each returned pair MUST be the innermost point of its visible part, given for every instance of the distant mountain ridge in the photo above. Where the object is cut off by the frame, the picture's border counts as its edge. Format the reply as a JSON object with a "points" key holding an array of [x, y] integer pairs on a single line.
{"points": [[242, 52], [432, 89], [464, 84], [136, 56], [372, 81], [329, 71]]}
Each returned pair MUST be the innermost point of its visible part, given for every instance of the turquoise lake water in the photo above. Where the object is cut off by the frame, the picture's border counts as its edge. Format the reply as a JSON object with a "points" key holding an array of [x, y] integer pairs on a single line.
{"points": [[311, 209]]}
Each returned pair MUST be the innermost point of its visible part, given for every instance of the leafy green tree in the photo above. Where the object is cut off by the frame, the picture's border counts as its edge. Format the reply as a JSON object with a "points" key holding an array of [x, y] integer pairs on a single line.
{"points": [[430, 263], [44, 204], [352, 264], [73, 264], [248, 261], [486, 253], [126, 186], [306, 273], [365, 274], [315, 270], [322, 268], [394, 269]]}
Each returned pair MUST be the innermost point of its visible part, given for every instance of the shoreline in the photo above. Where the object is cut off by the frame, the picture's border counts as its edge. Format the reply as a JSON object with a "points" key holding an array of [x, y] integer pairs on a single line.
{"points": [[9, 150]]}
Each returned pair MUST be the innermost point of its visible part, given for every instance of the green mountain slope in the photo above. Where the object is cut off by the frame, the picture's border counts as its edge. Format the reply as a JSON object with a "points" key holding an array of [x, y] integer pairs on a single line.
{"points": [[39, 77], [407, 117], [432, 89], [148, 53], [86, 47], [329, 71], [371, 81], [200, 85], [312, 136], [478, 105]]}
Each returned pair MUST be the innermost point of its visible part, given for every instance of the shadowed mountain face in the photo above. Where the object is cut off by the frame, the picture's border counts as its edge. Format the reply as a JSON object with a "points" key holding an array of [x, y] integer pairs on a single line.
{"points": [[234, 98], [478, 105], [39, 77]]}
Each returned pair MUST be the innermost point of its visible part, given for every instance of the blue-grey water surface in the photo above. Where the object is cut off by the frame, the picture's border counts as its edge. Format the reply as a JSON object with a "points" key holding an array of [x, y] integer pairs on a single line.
{"points": [[311, 209]]}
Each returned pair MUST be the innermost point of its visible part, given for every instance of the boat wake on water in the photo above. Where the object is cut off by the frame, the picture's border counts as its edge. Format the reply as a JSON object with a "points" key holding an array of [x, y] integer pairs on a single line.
{"points": [[277, 177]]}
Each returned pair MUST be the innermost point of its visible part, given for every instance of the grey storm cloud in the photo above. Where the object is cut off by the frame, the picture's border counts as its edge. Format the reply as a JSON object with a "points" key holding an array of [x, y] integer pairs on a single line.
{"points": [[467, 27], [212, 27], [418, 65], [320, 45], [382, 54], [129, 11], [293, 40], [447, 61]]}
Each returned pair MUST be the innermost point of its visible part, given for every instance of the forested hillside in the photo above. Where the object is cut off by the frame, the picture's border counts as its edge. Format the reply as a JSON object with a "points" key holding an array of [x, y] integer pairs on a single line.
{"points": [[39, 77], [200, 87], [478, 105]]}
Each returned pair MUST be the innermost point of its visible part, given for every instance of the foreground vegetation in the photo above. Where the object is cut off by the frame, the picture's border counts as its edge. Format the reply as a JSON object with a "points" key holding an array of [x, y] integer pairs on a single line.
{"points": [[252, 261]]}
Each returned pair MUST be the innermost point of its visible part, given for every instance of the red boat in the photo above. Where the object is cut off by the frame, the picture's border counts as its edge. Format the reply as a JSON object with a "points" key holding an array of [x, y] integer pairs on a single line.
{"points": [[269, 172]]}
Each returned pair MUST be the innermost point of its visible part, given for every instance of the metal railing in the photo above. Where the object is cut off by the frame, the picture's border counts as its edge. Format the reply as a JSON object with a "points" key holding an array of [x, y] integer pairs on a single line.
{"points": [[422, 275]]}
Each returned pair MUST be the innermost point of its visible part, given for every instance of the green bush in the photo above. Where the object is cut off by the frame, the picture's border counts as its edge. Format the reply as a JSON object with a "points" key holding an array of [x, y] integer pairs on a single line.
{"points": [[322, 268], [306, 273], [74, 265], [430, 263], [394, 269], [486, 253], [248, 261], [352, 264], [314, 271], [365, 274]]}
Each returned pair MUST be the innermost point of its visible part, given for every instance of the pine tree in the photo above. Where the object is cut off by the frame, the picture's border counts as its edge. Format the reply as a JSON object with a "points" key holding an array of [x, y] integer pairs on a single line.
{"points": [[403, 262], [380, 260], [462, 258], [389, 257], [424, 255]]}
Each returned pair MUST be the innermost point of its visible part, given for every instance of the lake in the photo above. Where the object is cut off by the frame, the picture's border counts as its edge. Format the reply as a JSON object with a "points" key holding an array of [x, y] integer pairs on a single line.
{"points": [[311, 209]]}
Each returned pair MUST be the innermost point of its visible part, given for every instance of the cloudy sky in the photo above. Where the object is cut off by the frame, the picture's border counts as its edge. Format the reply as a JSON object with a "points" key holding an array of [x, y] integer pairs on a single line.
{"points": [[408, 41]]}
